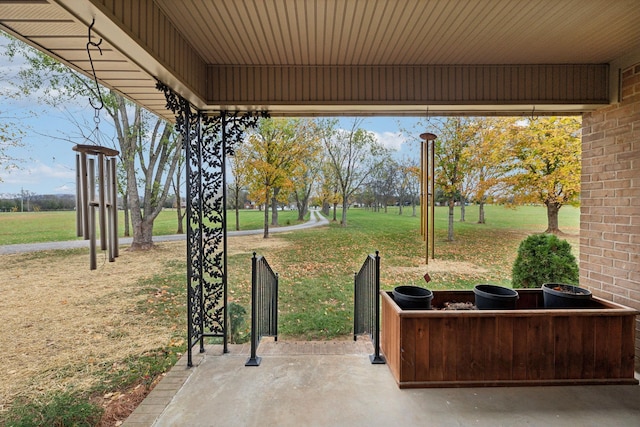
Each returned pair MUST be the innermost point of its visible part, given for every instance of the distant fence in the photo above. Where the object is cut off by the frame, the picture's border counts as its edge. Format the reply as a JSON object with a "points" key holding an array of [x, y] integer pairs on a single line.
{"points": [[264, 305], [366, 318]]}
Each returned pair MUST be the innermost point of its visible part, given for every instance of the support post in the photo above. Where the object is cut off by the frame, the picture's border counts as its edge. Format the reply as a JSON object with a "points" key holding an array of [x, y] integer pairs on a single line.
{"points": [[254, 359], [376, 358]]}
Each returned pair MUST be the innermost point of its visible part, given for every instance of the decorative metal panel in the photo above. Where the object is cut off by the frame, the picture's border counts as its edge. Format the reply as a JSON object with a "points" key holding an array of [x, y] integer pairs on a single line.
{"points": [[208, 140]]}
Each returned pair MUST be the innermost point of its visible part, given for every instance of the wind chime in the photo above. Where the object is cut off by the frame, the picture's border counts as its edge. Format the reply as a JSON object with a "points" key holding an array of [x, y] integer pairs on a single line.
{"points": [[96, 183], [96, 170], [427, 192]]}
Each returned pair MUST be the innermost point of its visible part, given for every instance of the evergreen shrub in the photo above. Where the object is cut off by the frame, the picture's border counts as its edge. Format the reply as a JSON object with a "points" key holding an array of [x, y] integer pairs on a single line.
{"points": [[544, 258]]}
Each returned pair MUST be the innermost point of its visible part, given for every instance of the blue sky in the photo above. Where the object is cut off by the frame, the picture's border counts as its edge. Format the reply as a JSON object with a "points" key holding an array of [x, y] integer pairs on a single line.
{"points": [[48, 161], [47, 164]]}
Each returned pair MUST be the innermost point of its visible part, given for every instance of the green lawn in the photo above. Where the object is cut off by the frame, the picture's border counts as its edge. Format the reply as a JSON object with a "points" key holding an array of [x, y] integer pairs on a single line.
{"points": [[32, 227], [316, 268]]}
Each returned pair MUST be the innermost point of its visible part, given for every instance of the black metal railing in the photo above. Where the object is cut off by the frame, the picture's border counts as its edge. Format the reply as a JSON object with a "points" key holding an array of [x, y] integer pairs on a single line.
{"points": [[264, 305], [366, 307]]}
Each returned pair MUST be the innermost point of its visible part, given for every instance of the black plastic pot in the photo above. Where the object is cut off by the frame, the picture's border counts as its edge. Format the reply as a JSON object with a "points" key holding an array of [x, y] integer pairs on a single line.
{"points": [[412, 297], [559, 295], [492, 297]]}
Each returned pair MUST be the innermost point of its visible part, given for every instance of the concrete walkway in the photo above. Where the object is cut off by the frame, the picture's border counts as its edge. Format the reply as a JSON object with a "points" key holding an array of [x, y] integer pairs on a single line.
{"points": [[334, 384], [315, 220]]}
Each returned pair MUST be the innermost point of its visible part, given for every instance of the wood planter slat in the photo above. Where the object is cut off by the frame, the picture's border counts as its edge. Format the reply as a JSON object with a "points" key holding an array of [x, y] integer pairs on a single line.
{"points": [[530, 345]]}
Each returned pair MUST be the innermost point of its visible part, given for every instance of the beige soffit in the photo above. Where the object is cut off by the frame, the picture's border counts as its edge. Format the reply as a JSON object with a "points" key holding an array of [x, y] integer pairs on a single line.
{"points": [[185, 42]]}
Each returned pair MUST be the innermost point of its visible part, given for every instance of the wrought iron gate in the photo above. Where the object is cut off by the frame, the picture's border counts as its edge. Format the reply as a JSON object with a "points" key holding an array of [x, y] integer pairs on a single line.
{"points": [[366, 307], [207, 139], [264, 305]]}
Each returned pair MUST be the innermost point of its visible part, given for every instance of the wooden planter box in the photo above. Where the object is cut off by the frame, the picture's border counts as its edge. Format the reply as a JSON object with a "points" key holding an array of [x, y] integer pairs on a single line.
{"points": [[527, 346]]}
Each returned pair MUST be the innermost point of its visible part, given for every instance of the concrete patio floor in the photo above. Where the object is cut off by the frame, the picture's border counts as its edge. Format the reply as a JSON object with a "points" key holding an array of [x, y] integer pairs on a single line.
{"points": [[334, 384]]}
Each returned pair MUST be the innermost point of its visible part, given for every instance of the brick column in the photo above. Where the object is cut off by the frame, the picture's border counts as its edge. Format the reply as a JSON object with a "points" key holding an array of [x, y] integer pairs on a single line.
{"points": [[610, 205]]}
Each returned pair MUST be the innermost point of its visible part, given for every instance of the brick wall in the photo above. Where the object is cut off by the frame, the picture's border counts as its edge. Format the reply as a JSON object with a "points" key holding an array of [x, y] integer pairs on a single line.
{"points": [[610, 205]]}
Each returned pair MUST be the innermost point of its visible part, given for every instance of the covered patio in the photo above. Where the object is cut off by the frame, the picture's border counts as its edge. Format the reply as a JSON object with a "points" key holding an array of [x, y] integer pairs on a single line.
{"points": [[334, 384], [222, 63]]}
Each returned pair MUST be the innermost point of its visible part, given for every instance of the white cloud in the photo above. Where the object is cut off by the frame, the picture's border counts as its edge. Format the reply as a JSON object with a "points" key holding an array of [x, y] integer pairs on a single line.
{"points": [[391, 140], [65, 189], [41, 178]]}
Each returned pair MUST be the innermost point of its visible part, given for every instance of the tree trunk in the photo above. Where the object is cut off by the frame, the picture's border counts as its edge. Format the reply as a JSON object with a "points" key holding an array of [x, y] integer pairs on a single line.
{"points": [[462, 209], [335, 208], [481, 213], [266, 213], [274, 207], [142, 235], [236, 204], [552, 218], [413, 207], [452, 204], [302, 207], [400, 211], [180, 216], [343, 221], [125, 209], [326, 208], [176, 190]]}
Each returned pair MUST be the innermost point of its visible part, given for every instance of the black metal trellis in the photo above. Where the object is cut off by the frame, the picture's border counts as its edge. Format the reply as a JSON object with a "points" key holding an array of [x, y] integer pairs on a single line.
{"points": [[366, 316], [208, 140]]}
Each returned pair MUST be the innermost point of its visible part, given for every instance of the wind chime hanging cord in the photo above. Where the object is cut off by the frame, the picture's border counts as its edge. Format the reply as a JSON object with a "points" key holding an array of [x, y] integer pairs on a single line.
{"points": [[96, 93]]}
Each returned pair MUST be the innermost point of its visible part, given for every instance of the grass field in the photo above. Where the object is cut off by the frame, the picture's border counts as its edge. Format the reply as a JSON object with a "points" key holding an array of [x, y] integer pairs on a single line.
{"points": [[102, 337], [32, 227], [316, 267]]}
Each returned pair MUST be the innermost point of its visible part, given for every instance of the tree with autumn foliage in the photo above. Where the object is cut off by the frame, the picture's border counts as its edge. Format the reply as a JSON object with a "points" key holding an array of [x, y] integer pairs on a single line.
{"points": [[277, 149], [239, 168], [452, 161], [488, 162], [327, 191], [547, 164], [304, 176]]}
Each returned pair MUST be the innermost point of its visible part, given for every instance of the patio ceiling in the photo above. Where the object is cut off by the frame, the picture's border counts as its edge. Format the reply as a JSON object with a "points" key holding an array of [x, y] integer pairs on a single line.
{"points": [[344, 56]]}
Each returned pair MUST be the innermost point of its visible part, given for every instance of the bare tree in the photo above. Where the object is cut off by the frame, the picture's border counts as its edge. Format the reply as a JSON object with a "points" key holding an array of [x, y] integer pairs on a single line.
{"points": [[156, 154], [151, 152], [353, 155], [408, 186], [176, 183]]}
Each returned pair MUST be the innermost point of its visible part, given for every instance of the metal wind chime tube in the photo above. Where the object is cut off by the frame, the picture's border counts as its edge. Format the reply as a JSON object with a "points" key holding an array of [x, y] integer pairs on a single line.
{"points": [[433, 197], [427, 192], [82, 224], [114, 207], [79, 226], [102, 201], [91, 209], [105, 202]]}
